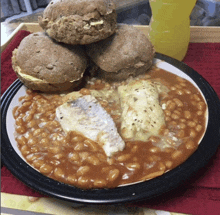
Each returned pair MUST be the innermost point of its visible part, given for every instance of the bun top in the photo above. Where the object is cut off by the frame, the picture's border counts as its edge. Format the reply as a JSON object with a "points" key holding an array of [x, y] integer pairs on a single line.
{"points": [[128, 47], [41, 57], [58, 8], [79, 21]]}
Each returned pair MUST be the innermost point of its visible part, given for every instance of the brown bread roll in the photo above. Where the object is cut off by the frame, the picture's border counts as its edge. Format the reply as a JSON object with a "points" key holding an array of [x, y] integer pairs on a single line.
{"points": [[79, 21], [45, 65], [126, 53]]}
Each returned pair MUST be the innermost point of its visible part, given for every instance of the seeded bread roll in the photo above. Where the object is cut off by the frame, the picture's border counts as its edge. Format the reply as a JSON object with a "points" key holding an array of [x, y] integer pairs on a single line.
{"points": [[79, 21], [126, 53], [48, 66]]}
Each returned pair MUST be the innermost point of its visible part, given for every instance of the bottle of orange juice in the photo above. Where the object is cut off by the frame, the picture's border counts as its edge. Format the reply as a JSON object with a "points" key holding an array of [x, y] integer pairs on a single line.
{"points": [[170, 26]]}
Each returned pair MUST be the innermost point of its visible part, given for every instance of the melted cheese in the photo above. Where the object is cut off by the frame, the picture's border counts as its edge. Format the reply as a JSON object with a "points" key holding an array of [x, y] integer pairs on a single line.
{"points": [[88, 26], [86, 116], [138, 105], [142, 115], [27, 77]]}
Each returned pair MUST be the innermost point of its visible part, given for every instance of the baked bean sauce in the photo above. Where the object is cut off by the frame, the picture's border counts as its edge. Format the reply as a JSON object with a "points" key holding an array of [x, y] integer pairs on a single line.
{"points": [[78, 161]]}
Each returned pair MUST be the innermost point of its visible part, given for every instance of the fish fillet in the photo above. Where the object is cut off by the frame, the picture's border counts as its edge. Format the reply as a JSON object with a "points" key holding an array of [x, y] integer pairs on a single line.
{"points": [[86, 116], [142, 115]]}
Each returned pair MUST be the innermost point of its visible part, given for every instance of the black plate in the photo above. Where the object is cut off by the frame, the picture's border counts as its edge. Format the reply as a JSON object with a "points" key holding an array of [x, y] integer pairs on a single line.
{"points": [[129, 193]]}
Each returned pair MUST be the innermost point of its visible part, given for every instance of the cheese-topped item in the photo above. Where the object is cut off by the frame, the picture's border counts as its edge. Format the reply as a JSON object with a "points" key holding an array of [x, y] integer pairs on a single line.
{"points": [[108, 96], [79, 21], [63, 70], [27, 77], [86, 116], [142, 115]]}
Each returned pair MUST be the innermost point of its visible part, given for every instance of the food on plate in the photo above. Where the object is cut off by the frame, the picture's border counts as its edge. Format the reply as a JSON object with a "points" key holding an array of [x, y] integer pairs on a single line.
{"points": [[86, 116], [142, 115], [121, 122], [42, 64], [68, 155], [126, 53], [79, 21]]}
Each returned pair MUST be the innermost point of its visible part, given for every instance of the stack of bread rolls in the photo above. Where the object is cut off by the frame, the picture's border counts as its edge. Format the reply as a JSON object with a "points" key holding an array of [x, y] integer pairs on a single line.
{"points": [[76, 33]]}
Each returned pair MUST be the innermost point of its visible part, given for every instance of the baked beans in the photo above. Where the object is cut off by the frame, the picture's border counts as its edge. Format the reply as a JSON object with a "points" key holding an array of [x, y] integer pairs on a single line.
{"points": [[73, 159]]}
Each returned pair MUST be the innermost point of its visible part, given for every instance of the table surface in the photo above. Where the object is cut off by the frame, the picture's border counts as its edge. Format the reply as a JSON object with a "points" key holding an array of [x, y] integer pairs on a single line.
{"points": [[12, 202], [8, 27]]}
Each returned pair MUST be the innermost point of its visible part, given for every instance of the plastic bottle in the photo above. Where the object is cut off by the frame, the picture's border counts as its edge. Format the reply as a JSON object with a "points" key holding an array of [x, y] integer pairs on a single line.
{"points": [[170, 26]]}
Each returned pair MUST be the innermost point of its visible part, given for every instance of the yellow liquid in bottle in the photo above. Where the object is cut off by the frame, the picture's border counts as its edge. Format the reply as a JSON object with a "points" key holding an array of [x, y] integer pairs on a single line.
{"points": [[170, 26]]}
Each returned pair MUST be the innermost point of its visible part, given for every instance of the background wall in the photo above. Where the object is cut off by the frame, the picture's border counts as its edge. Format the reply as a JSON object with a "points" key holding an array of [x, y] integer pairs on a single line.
{"points": [[205, 13], [10, 8]]}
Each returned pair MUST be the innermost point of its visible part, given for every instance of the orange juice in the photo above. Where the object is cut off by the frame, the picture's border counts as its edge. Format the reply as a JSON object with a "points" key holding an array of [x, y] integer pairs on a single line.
{"points": [[170, 26]]}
